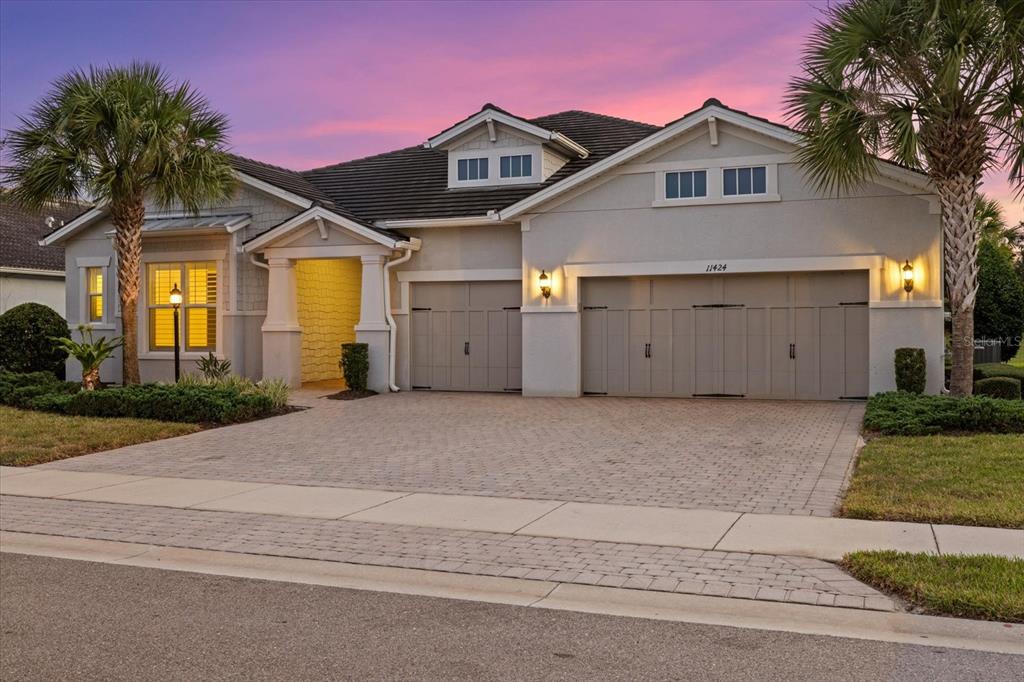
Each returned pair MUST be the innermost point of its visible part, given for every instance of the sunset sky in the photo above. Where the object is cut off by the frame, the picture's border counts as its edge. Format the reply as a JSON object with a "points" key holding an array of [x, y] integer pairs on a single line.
{"points": [[311, 83]]}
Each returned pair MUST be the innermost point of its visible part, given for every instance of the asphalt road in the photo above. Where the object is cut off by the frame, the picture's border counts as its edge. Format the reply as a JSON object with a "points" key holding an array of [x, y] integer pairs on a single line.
{"points": [[79, 620]]}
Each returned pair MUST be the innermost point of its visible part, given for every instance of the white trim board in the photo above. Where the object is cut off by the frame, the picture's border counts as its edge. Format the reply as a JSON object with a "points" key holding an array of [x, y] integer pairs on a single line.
{"points": [[31, 272], [491, 116], [319, 212]]}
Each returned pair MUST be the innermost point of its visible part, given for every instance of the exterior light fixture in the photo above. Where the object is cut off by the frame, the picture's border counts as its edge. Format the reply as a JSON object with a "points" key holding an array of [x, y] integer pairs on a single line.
{"points": [[908, 277], [545, 284], [175, 299]]}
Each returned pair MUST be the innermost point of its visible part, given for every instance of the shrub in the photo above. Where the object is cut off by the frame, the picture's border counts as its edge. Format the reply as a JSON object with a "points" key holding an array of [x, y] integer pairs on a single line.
{"points": [[1006, 388], [910, 370], [168, 402], [355, 365], [25, 345], [988, 370], [20, 389], [276, 390], [901, 413]]}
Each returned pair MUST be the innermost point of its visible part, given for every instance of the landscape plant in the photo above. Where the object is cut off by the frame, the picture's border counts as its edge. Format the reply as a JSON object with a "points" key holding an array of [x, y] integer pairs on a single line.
{"points": [[90, 353], [213, 368], [910, 370], [932, 85], [121, 135], [25, 333], [355, 365], [1006, 388]]}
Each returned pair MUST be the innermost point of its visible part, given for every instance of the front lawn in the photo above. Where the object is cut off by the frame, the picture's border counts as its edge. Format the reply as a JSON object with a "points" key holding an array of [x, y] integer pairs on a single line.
{"points": [[984, 587], [30, 437], [973, 480]]}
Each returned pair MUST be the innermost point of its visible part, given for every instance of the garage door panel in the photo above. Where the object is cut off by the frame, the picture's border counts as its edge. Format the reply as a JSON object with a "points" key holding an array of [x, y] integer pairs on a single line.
{"points": [[685, 292], [594, 349], [707, 339], [734, 351], [617, 345], [832, 351], [639, 368], [781, 363], [855, 360], [806, 338], [456, 346], [661, 352], [682, 352], [758, 352], [754, 290]]}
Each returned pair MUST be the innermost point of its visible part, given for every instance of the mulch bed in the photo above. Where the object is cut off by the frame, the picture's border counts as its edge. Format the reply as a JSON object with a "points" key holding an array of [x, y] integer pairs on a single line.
{"points": [[351, 395]]}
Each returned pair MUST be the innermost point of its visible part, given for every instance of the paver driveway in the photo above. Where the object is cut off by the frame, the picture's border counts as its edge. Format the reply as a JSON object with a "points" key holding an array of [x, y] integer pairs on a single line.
{"points": [[761, 456]]}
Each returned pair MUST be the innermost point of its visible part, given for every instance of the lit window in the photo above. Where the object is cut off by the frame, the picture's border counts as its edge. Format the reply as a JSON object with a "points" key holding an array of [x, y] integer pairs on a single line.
{"points": [[519, 166], [739, 181], [686, 184], [473, 169], [198, 315], [94, 292]]}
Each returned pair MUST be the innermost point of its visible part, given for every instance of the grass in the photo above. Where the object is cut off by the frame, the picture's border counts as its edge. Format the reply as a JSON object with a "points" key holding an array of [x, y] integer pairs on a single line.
{"points": [[35, 437], [1018, 359], [983, 586], [973, 480]]}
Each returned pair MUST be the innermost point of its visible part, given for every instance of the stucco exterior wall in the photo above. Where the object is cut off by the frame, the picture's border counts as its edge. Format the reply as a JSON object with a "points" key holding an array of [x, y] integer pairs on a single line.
{"points": [[16, 289]]}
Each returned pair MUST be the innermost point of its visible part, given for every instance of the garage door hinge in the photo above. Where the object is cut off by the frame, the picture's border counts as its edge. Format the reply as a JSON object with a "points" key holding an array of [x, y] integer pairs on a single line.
{"points": [[512, 307], [421, 388], [595, 307], [853, 303], [421, 309], [721, 305]]}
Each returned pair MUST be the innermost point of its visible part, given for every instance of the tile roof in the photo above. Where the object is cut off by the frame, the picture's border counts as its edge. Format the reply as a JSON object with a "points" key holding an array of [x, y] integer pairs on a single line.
{"points": [[21, 230], [279, 177], [413, 182]]}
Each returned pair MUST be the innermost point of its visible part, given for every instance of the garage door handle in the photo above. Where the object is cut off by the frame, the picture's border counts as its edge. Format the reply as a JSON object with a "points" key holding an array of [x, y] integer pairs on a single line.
{"points": [[647, 350], [792, 351], [465, 348]]}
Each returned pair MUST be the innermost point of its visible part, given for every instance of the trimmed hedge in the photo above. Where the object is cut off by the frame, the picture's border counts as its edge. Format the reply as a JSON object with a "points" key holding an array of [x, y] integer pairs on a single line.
{"points": [[20, 389], [987, 370], [910, 370], [26, 345], [165, 402], [1006, 388], [908, 414]]}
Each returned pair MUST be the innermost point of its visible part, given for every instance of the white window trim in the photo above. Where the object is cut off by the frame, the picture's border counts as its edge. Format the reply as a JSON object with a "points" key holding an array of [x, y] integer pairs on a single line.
{"points": [[143, 309], [106, 323], [493, 156], [715, 170]]}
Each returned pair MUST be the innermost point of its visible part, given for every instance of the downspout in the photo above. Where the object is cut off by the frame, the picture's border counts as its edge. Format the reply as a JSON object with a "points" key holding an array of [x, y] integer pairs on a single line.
{"points": [[252, 259], [393, 333]]}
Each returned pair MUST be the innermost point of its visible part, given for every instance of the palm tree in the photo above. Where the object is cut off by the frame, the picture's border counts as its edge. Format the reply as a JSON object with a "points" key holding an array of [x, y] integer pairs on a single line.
{"points": [[993, 228], [121, 135], [935, 85]]}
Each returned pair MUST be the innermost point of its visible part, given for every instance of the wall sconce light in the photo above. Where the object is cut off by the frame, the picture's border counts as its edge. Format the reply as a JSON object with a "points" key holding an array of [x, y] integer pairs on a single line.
{"points": [[908, 277], [545, 284]]}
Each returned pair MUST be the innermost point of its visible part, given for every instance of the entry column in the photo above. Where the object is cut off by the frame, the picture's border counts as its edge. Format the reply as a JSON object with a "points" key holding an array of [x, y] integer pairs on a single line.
{"points": [[373, 328], [282, 335]]}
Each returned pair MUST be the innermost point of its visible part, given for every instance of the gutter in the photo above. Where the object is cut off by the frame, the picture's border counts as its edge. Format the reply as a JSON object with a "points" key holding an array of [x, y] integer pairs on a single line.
{"points": [[393, 326], [490, 218], [31, 272]]}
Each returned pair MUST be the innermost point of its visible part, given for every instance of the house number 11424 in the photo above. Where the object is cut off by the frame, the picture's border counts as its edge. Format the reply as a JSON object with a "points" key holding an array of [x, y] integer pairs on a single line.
{"points": [[716, 267]]}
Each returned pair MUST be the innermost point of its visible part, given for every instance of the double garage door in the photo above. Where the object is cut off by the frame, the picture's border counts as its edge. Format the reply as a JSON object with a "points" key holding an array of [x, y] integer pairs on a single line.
{"points": [[466, 336], [802, 335]]}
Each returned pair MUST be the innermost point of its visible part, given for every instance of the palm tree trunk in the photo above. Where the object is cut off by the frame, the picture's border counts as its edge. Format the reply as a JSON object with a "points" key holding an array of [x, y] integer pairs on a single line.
{"points": [[127, 216], [958, 195]]}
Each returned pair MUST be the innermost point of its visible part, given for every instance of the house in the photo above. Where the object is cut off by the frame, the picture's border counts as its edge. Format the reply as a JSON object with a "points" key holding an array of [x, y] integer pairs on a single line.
{"points": [[30, 273], [569, 254]]}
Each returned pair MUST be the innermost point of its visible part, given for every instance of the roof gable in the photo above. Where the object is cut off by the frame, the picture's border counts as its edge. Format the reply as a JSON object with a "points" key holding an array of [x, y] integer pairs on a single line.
{"points": [[489, 115]]}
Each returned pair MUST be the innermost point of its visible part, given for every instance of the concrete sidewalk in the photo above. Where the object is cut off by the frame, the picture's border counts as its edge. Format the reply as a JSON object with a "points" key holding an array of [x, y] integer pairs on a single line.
{"points": [[813, 537]]}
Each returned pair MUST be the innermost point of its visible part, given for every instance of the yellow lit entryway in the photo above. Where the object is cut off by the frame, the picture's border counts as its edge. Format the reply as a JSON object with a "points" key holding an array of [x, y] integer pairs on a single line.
{"points": [[328, 301]]}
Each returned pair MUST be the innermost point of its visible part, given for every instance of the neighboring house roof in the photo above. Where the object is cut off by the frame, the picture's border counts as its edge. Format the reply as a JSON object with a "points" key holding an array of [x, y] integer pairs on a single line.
{"points": [[413, 182], [20, 231]]}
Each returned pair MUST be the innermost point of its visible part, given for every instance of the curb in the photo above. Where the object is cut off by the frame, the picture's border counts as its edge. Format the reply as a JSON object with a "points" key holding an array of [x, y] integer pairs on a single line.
{"points": [[899, 628]]}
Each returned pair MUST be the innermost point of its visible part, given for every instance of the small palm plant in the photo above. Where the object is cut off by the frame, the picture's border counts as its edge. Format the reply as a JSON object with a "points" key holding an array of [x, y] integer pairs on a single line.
{"points": [[212, 368], [90, 353]]}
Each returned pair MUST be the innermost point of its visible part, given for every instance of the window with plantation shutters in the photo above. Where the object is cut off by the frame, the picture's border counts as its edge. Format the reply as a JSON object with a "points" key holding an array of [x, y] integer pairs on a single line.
{"points": [[198, 315], [94, 289]]}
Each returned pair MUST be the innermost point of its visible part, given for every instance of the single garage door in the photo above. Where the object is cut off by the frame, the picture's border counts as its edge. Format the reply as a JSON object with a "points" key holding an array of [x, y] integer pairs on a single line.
{"points": [[800, 335], [466, 336]]}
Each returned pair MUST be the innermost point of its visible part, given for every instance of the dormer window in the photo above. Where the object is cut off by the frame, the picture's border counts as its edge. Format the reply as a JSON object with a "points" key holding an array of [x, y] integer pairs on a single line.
{"points": [[473, 169], [517, 166]]}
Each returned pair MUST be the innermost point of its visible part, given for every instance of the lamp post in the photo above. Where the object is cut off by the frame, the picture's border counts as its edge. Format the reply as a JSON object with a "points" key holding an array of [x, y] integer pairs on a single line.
{"points": [[176, 303]]}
